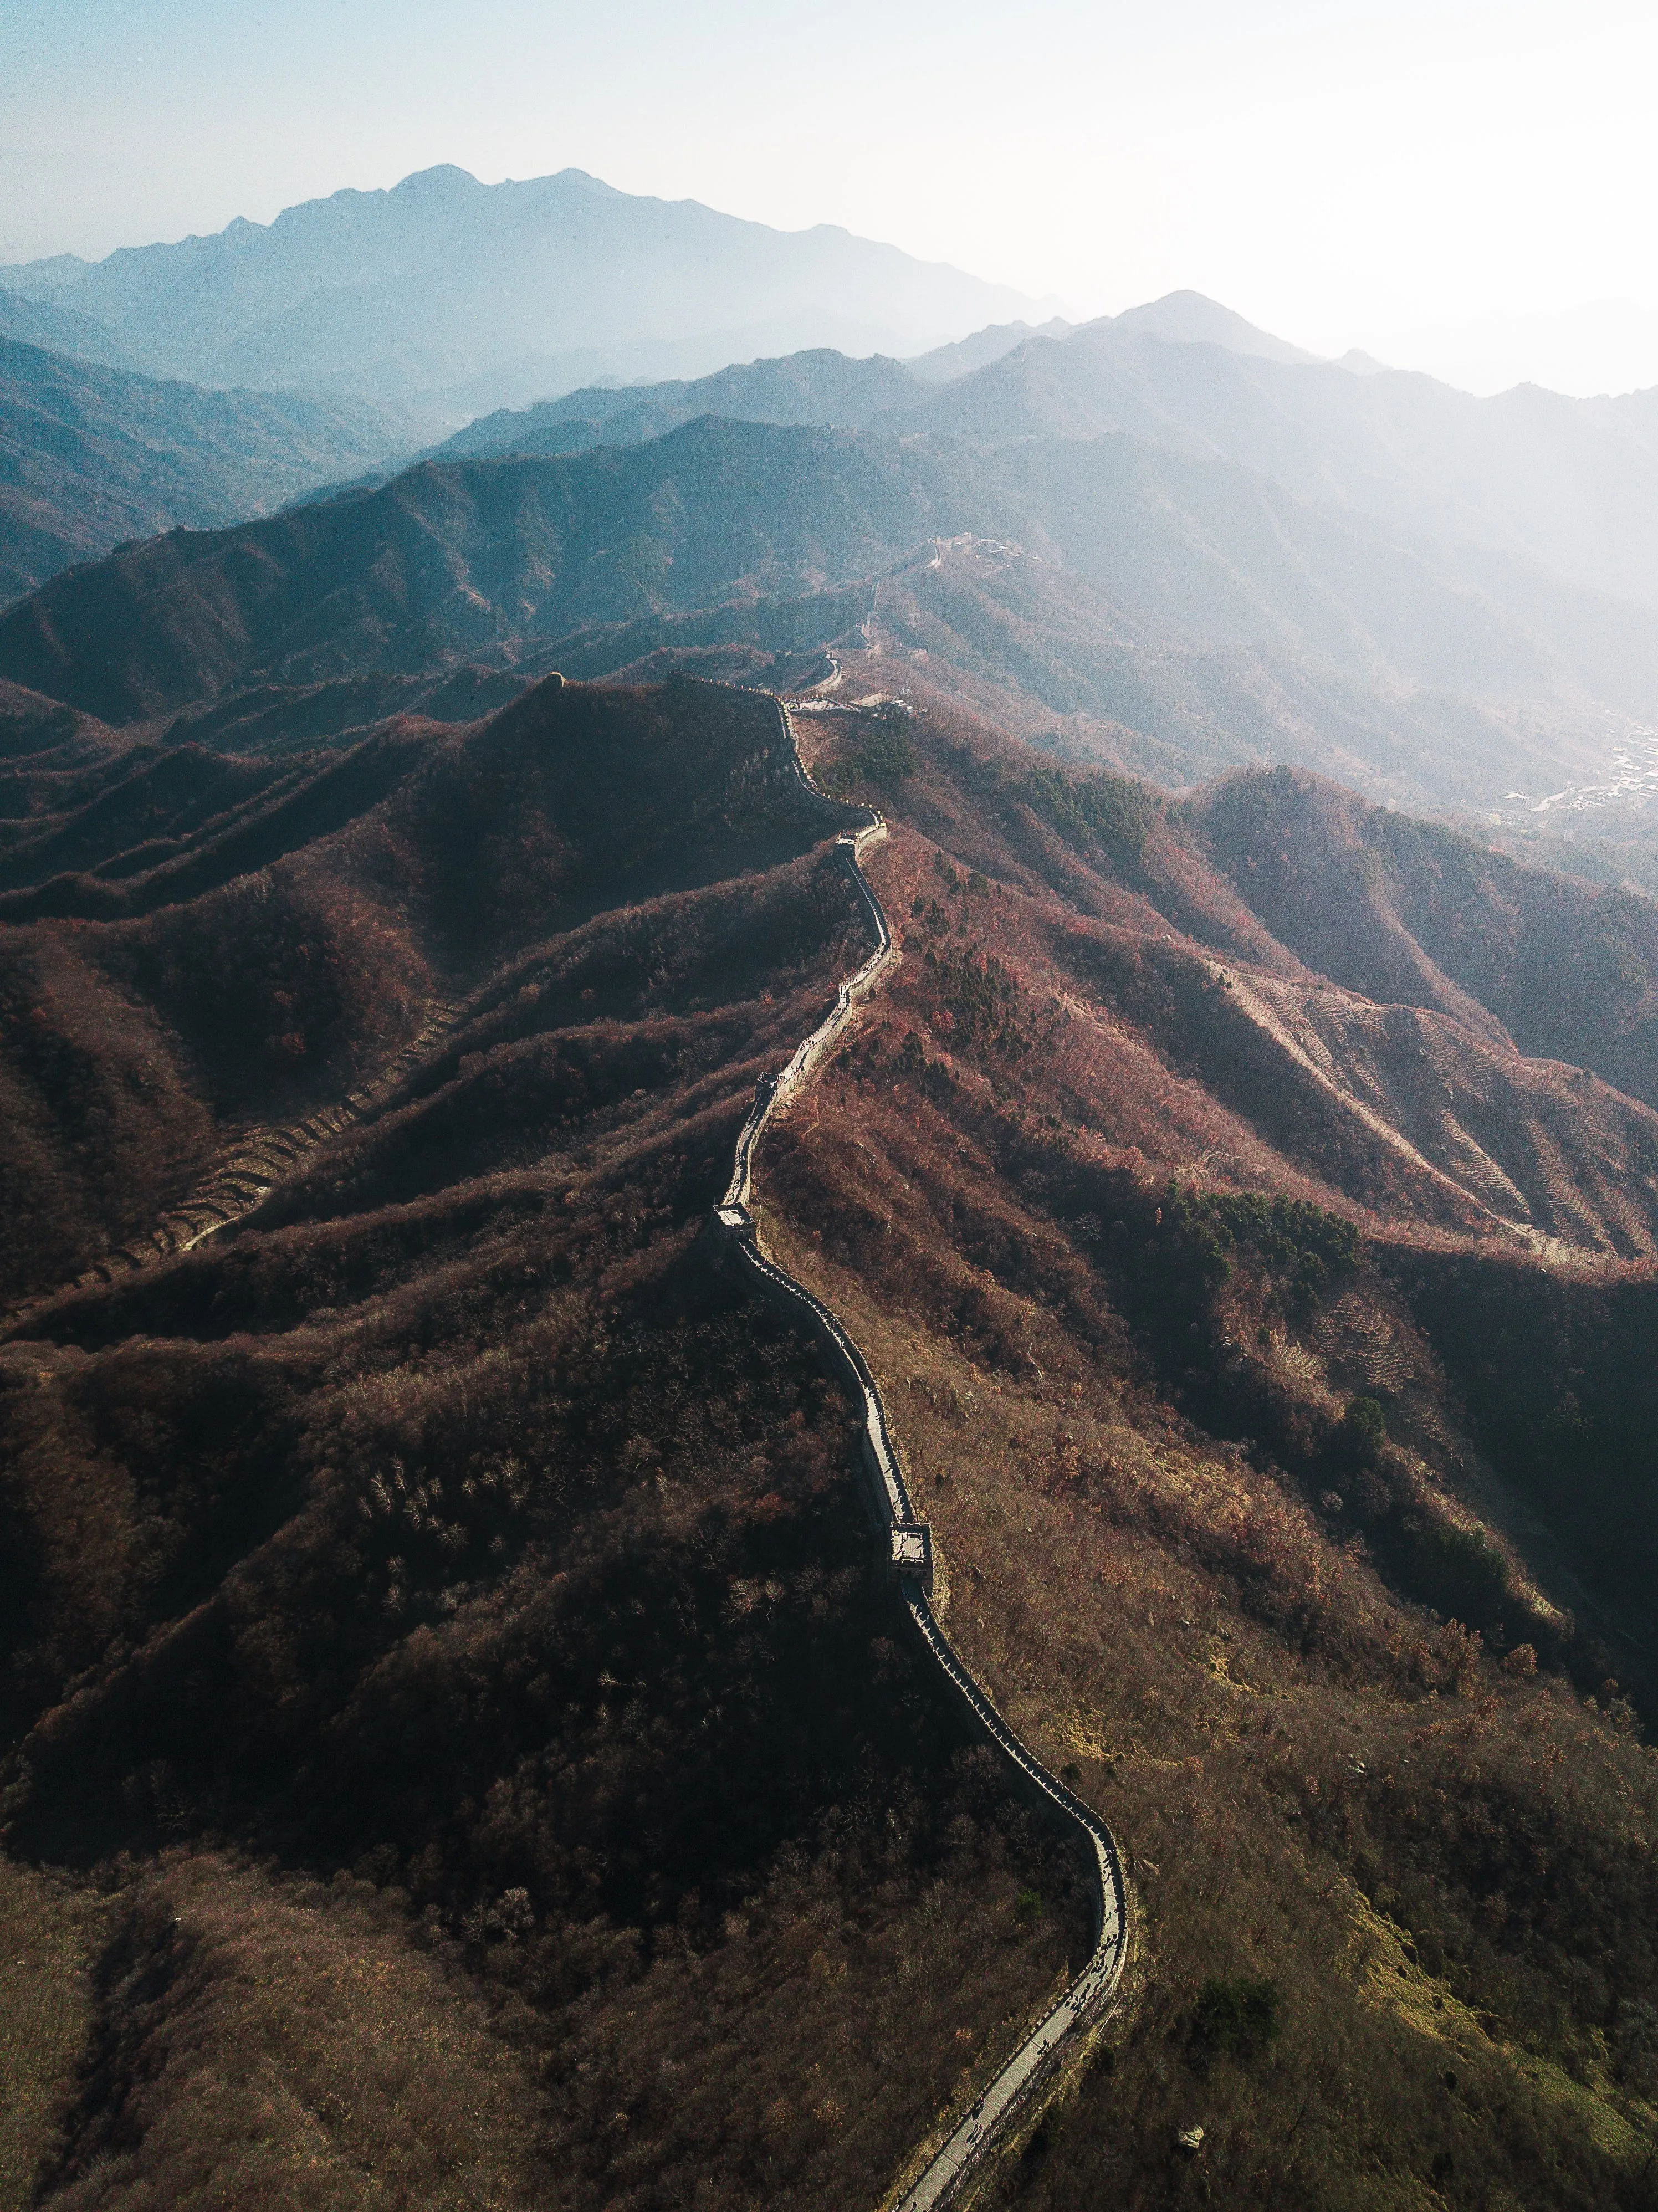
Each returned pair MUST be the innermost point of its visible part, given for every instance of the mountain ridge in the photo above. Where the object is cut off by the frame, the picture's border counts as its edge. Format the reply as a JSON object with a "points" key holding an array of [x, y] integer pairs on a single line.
{"points": [[1570, 484], [442, 288], [1188, 599]]}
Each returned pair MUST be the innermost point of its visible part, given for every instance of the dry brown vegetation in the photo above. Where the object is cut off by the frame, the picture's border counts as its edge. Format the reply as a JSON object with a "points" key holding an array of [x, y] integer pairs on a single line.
{"points": [[259, 2041], [453, 1533], [50, 1930], [1129, 1337], [441, 1637]]}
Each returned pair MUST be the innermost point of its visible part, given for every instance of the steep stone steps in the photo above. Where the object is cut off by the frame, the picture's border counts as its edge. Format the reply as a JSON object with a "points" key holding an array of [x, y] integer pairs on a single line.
{"points": [[246, 1175]]}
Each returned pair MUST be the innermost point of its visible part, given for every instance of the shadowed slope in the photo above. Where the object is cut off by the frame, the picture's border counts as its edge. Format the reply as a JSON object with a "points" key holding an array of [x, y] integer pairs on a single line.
{"points": [[381, 878], [458, 556]]}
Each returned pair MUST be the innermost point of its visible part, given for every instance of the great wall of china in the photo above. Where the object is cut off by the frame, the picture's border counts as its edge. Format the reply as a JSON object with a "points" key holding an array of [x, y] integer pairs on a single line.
{"points": [[907, 1548]]}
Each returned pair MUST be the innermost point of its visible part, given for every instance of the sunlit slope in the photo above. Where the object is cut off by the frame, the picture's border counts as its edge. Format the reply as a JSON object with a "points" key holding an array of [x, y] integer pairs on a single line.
{"points": [[1268, 1462]]}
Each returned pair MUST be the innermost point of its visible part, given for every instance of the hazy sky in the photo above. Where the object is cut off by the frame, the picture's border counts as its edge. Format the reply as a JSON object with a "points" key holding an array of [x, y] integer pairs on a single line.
{"points": [[1343, 173]]}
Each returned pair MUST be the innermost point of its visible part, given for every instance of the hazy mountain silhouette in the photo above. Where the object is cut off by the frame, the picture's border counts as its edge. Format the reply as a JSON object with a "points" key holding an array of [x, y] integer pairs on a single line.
{"points": [[1044, 650], [1571, 483], [497, 293], [92, 455], [944, 362], [484, 297], [819, 385], [39, 322], [1190, 319], [1224, 553], [824, 386]]}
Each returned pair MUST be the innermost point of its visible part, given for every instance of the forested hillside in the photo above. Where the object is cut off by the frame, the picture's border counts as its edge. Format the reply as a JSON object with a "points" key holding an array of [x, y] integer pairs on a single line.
{"points": [[457, 1728]]}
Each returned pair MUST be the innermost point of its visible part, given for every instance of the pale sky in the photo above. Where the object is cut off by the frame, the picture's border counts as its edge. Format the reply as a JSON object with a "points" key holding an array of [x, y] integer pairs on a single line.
{"points": [[1343, 173]]}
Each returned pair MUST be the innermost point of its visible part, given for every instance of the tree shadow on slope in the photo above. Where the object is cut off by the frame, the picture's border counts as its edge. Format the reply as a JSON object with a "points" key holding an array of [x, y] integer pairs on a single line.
{"points": [[575, 1648]]}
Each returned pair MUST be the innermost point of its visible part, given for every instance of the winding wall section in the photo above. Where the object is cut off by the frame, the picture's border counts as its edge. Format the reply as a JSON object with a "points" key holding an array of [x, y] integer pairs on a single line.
{"points": [[906, 1545]]}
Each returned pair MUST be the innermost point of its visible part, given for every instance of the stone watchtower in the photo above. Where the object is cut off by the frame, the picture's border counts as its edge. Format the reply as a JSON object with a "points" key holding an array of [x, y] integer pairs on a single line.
{"points": [[912, 1552]]}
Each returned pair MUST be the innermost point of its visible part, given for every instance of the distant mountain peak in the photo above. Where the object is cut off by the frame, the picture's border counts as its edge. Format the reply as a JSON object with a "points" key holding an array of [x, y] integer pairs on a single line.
{"points": [[977, 351], [1192, 319], [442, 176], [465, 296]]}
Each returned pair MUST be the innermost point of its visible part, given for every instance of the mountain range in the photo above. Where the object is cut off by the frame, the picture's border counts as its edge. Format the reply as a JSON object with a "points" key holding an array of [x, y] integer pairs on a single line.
{"points": [[38, 322], [458, 1743], [1570, 484], [824, 386], [94, 454], [1167, 612], [459, 296]]}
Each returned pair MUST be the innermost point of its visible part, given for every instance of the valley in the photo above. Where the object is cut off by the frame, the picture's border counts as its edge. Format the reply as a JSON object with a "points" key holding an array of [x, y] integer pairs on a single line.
{"points": [[91, 456]]}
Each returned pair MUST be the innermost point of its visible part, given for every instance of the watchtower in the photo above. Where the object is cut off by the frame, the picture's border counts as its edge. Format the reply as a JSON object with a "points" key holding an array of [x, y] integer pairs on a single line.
{"points": [[912, 1552]]}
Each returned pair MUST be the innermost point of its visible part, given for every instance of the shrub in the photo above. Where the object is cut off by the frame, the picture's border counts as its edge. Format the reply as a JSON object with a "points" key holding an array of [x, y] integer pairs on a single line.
{"points": [[1198, 1237], [883, 756], [1635, 2046], [886, 756], [1239, 2017], [1364, 1430], [986, 1003], [1458, 1570]]}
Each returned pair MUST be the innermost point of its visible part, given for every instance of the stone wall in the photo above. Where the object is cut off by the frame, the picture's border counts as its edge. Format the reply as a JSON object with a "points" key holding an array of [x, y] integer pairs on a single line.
{"points": [[1089, 1995]]}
